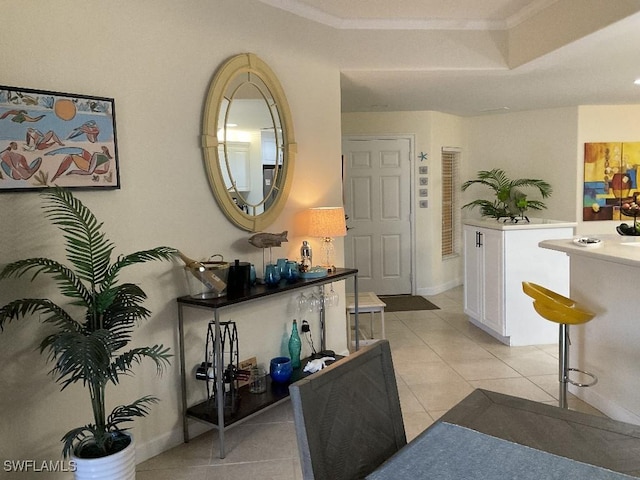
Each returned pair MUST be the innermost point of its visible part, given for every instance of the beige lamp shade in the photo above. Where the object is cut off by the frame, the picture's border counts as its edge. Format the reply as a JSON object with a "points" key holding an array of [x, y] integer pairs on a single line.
{"points": [[327, 222]]}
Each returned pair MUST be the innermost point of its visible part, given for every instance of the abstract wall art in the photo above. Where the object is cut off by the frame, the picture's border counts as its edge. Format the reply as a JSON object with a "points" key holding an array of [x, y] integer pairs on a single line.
{"points": [[610, 179], [50, 138]]}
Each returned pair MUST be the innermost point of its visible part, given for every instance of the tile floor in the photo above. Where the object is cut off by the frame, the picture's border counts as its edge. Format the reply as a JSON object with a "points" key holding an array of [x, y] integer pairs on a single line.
{"points": [[439, 358]]}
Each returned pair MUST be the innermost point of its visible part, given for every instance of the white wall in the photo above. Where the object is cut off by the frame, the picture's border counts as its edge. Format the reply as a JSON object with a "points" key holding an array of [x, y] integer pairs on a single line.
{"points": [[432, 131], [156, 58], [535, 144]]}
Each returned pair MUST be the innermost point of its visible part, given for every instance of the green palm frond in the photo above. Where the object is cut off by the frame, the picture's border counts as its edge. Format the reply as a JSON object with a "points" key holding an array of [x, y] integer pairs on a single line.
{"points": [[31, 306], [87, 247], [79, 356], [543, 187], [123, 413], [509, 201], [487, 208], [69, 284], [536, 205], [159, 253], [124, 363], [89, 351], [495, 179]]}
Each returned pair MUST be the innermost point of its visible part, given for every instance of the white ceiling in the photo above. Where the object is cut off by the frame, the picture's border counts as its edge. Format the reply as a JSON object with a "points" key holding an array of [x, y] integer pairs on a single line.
{"points": [[453, 55]]}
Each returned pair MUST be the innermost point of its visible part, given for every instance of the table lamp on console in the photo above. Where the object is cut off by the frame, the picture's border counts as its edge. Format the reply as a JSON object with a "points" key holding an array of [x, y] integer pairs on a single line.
{"points": [[327, 223]]}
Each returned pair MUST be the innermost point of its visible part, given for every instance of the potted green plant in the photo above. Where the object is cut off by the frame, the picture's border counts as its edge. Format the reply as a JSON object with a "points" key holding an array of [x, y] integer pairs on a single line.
{"points": [[90, 347], [510, 201]]}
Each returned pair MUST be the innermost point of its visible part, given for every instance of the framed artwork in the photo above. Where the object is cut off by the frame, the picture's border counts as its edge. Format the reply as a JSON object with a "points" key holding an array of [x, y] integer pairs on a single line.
{"points": [[51, 138], [610, 179]]}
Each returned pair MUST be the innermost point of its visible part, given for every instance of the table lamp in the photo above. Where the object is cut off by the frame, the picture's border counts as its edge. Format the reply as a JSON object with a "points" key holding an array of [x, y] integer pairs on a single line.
{"points": [[327, 223]]}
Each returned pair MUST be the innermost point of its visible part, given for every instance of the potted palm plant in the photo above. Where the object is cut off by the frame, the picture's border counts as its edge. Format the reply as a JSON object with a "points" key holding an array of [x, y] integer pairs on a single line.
{"points": [[509, 202], [90, 347]]}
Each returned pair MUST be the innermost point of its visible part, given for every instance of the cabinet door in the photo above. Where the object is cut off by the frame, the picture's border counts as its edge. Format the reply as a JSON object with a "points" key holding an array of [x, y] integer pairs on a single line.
{"points": [[472, 273], [493, 280]]}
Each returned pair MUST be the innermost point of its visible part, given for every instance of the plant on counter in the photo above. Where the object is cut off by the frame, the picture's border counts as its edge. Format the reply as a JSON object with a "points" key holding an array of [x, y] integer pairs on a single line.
{"points": [[510, 201], [89, 349]]}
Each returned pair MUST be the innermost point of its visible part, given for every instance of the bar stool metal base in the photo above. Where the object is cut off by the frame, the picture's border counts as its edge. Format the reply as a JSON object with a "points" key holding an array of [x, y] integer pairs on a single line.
{"points": [[563, 350]]}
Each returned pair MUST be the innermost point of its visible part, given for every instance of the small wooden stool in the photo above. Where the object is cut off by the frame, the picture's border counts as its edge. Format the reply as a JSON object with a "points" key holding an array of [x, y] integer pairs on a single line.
{"points": [[368, 302]]}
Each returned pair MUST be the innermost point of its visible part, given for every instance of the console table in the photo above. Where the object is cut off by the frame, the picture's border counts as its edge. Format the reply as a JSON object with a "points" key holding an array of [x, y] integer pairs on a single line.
{"points": [[206, 411]]}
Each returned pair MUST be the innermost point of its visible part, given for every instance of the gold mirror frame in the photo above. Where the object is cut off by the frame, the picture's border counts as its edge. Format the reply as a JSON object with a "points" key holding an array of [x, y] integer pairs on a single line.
{"points": [[246, 64]]}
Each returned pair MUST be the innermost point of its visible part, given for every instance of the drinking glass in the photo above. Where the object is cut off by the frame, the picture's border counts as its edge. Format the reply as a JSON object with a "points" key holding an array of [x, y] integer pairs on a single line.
{"points": [[271, 277], [315, 303], [325, 297], [334, 298], [303, 303]]}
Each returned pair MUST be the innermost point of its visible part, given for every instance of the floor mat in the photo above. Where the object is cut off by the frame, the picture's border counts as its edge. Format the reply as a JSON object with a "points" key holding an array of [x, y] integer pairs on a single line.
{"points": [[404, 303]]}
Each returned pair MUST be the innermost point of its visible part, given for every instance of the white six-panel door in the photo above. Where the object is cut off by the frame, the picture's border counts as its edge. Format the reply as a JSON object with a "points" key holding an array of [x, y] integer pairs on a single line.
{"points": [[378, 202]]}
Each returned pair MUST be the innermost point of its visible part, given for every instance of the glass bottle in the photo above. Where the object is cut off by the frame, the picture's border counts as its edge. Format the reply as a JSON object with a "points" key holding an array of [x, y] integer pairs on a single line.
{"points": [[295, 346]]}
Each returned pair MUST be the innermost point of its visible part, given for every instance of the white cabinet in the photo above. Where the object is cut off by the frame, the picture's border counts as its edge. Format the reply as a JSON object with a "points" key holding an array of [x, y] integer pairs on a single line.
{"points": [[484, 277], [498, 258]]}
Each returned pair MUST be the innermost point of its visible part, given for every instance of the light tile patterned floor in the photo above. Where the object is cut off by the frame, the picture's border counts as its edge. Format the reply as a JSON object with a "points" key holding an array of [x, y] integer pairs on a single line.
{"points": [[439, 358]]}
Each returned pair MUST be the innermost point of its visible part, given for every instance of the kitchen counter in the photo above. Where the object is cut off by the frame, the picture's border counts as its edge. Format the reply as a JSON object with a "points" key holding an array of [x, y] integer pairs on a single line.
{"points": [[533, 224], [604, 279], [612, 248]]}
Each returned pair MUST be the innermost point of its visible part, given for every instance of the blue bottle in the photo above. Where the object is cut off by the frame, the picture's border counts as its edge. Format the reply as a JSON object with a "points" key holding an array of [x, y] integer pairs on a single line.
{"points": [[295, 346]]}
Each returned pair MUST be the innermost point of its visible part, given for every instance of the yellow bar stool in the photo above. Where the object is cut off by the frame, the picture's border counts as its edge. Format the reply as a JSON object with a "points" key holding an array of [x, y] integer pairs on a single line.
{"points": [[563, 311]]}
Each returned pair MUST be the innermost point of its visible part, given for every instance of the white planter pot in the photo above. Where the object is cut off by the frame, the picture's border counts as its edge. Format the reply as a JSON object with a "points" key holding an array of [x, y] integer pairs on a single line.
{"points": [[119, 466]]}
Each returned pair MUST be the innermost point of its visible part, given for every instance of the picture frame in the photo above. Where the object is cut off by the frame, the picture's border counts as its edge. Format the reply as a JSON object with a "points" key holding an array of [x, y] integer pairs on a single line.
{"points": [[53, 138], [611, 180]]}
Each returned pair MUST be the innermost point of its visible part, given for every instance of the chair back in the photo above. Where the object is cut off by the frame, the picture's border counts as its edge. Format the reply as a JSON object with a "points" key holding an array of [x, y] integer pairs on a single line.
{"points": [[347, 416]]}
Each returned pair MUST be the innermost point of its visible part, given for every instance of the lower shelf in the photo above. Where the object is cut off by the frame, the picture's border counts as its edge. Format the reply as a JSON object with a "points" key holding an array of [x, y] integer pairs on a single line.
{"points": [[248, 403]]}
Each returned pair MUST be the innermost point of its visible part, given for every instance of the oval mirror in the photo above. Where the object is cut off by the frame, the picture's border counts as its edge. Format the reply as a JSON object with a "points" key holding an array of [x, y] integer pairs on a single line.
{"points": [[248, 142]]}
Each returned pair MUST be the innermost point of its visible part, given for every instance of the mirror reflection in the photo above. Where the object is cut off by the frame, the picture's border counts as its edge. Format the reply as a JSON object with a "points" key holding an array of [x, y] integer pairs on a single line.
{"points": [[250, 148], [248, 142]]}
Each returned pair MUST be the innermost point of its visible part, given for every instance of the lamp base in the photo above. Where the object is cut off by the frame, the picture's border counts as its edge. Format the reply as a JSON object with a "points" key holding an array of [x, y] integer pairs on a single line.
{"points": [[327, 254]]}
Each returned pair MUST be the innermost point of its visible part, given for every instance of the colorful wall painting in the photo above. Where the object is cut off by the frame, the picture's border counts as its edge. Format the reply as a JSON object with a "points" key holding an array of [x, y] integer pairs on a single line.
{"points": [[51, 138], [610, 179]]}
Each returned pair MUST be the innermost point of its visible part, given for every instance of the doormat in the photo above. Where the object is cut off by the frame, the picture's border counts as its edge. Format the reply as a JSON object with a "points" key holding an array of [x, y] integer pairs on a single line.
{"points": [[405, 303]]}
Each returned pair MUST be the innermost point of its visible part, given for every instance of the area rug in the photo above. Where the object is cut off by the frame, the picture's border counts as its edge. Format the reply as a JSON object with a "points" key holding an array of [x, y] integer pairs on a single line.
{"points": [[405, 303]]}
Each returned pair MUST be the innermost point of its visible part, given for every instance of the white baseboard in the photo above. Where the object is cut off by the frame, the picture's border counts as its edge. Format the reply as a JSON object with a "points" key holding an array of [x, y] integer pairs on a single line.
{"points": [[428, 291], [610, 408]]}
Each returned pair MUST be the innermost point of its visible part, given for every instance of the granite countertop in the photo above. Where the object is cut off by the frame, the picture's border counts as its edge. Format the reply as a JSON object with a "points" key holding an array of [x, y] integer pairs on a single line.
{"points": [[534, 223], [611, 248]]}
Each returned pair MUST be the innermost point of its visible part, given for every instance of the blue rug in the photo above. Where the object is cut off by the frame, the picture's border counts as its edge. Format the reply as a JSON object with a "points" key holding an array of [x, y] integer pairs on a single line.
{"points": [[452, 452]]}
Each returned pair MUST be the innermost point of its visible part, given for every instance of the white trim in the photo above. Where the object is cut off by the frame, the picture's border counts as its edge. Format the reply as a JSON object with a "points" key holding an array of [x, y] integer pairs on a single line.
{"points": [[168, 440], [316, 15], [606, 405], [451, 150], [430, 291]]}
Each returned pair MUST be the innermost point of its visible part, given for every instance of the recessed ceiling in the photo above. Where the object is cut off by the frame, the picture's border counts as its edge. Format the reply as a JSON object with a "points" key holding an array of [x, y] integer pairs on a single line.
{"points": [[473, 57], [409, 14]]}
